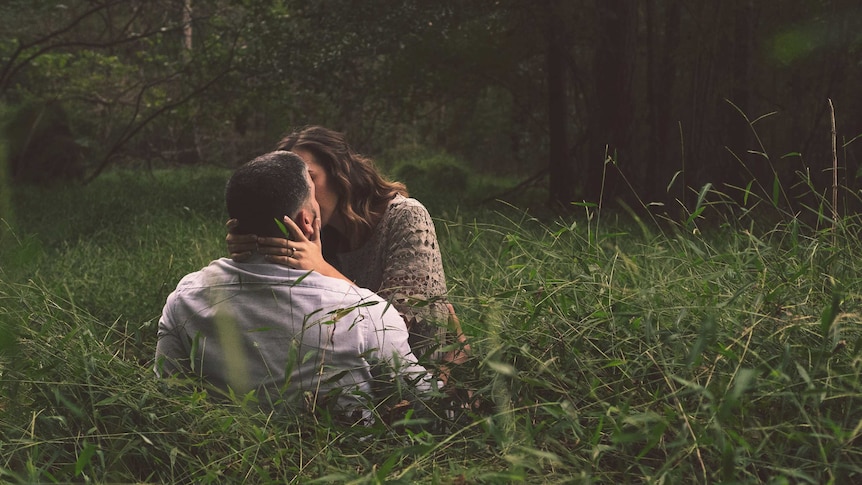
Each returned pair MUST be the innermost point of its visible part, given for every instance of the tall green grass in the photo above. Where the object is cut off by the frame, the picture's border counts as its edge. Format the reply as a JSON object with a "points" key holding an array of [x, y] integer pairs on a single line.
{"points": [[668, 357], [714, 348]]}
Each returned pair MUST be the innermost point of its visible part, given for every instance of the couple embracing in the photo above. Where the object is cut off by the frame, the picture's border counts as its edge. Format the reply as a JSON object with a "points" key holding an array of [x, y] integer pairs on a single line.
{"points": [[318, 302]]}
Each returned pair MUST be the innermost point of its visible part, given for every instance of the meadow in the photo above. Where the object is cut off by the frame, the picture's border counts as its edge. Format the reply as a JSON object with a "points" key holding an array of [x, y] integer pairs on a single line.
{"points": [[718, 346]]}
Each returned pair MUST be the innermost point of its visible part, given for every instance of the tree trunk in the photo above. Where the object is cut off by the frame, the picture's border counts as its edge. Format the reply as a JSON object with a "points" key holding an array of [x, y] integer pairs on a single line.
{"points": [[663, 161], [739, 131], [187, 27], [561, 173], [611, 119]]}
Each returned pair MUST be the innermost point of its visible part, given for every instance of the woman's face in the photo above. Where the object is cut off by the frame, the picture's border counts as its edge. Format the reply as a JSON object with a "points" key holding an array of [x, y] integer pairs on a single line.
{"points": [[323, 192]]}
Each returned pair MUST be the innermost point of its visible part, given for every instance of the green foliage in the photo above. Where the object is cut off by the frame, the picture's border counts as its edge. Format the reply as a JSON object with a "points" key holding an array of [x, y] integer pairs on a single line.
{"points": [[7, 216], [446, 183], [805, 39], [76, 408], [667, 357], [437, 179], [720, 347], [468, 78], [116, 67], [118, 246], [42, 145]]}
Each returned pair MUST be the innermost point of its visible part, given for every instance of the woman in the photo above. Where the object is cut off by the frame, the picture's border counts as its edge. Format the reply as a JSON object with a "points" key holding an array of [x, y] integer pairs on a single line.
{"points": [[372, 235]]}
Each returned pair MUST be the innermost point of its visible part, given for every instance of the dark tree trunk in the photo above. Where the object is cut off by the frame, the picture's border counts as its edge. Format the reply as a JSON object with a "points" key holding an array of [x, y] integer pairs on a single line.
{"points": [[739, 131], [561, 173], [663, 161], [611, 119]]}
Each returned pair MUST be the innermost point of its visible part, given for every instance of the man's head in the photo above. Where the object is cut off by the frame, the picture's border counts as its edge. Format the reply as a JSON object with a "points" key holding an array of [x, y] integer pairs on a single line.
{"points": [[268, 188]]}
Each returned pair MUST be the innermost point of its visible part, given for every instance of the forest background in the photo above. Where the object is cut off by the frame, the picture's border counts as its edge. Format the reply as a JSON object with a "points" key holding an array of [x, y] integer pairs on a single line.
{"points": [[706, 332], [674, 95]]}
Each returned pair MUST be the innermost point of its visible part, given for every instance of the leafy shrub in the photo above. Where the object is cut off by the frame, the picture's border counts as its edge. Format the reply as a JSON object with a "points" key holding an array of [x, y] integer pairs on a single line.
{"points": [[42, 145], [437, 180]]}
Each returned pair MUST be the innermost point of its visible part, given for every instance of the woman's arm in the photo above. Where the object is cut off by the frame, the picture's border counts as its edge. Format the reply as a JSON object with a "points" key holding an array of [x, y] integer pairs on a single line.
{"points": [[412, 274], [411, 260]]}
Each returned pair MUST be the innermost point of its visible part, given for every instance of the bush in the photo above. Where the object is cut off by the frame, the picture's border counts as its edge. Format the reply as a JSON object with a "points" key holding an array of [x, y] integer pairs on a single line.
{"points": [[437, 180], [42, 145]]}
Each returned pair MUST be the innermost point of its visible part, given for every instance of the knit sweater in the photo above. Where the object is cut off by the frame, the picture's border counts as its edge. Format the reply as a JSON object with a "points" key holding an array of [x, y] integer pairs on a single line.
{"points": [[402, 263]]}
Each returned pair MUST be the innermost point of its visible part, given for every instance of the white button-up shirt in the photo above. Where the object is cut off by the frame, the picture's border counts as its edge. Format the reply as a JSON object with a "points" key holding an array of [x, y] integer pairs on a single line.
{"points": [[288, 334]]}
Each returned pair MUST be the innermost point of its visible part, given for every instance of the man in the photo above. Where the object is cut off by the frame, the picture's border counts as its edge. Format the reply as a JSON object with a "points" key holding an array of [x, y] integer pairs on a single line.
{"points": [[290, 335]]}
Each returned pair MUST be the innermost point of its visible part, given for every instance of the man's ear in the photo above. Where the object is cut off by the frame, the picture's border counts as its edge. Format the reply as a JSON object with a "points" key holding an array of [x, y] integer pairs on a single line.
{"points": [[305, 221]]}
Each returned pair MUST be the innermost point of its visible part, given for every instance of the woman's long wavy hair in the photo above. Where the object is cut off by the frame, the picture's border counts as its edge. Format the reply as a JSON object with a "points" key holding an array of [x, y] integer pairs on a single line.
{"points": [[363, 193]]}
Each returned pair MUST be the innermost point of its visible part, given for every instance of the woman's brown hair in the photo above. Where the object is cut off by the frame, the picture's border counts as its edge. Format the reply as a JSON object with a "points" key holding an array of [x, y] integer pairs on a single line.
{"points": [[363, 193]]}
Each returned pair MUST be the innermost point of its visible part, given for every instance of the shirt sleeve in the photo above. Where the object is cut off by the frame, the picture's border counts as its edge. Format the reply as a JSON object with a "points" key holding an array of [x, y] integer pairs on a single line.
{"points": [[387, 338], [170, 348], [413, 277]]}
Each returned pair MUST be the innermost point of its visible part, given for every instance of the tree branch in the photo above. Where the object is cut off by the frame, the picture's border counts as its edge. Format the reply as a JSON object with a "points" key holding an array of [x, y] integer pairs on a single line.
{"points": [[132, 128], [16, 63]]}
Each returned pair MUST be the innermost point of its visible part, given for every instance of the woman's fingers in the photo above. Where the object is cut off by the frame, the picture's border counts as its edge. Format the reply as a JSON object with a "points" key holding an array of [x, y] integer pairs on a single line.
{"points": [[298, 252], [315, 237], [276, 249], [276, 246], [240, 246], [295, 233]]}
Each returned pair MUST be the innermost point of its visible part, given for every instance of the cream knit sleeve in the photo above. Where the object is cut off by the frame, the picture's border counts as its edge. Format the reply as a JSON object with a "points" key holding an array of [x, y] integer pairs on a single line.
{"points": [[413, 274]]}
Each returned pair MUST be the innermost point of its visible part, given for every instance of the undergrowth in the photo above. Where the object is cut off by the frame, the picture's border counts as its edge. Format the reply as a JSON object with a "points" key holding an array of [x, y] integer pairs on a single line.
{"points": [[714, 348]]}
